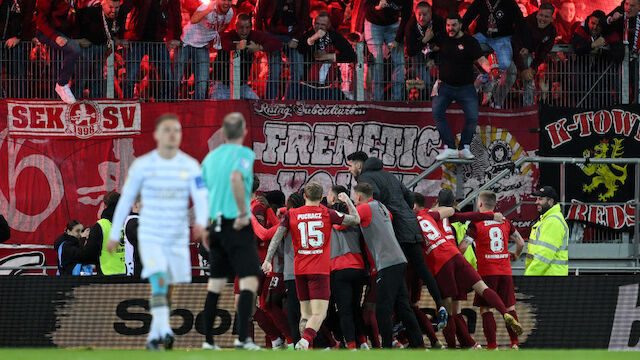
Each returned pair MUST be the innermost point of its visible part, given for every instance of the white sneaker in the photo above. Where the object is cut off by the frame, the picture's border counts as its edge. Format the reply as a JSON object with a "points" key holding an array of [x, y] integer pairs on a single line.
{"points": [[365, 346], [447, 154], [476, 347], [278, 344], [302, 345], [247, 344], [65, 94], [466, 154], [207, 346]]}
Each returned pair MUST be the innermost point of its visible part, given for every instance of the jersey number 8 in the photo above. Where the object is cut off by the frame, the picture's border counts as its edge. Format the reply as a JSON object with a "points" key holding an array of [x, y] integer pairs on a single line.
{"points": [[313, 236], [497, 243]]}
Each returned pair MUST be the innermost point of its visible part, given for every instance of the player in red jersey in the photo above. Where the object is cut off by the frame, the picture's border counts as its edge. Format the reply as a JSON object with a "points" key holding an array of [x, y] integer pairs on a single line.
{"points": [[454, 274], [454, 228], [270, 314], [491, 239], [310, 228]]}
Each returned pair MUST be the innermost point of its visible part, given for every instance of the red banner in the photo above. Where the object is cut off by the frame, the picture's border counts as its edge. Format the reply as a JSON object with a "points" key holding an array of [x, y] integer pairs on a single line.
{"points": [[47, 180]]}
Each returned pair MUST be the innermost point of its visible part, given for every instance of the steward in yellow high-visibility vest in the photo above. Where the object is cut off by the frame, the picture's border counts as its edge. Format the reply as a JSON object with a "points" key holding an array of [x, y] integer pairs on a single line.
{"points": [[460, 230], [95, 250], [548, 245]]}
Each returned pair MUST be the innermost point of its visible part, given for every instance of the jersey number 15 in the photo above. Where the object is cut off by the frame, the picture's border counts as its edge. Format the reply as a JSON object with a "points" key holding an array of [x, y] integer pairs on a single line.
{"points": [[310, 234]]}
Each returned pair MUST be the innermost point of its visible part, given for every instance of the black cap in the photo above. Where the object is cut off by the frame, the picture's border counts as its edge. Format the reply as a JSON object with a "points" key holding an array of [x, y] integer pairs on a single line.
{"points": [[547, 191], [446, 197]]}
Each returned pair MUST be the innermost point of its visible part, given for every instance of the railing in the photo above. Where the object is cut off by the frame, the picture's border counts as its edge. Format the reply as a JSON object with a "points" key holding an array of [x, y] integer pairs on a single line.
{"points": [[587, 245], [152, 72]]}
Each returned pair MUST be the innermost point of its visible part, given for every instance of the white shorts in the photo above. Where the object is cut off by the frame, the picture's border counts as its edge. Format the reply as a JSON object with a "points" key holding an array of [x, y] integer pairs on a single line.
{"points": [[175, 261]]}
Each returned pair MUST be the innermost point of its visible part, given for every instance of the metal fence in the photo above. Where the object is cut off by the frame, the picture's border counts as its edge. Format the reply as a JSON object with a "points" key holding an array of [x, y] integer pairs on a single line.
{"points": [[152, 72]]}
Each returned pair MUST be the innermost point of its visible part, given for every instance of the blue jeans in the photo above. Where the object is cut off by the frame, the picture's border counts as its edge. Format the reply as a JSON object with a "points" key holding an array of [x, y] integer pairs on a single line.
{"points": [[501, 46], [71, 52], [13, 61], [158, 58], [275, 70], [376, 37], [90, 72], [199, 58], [467, 97], [221, 91]]}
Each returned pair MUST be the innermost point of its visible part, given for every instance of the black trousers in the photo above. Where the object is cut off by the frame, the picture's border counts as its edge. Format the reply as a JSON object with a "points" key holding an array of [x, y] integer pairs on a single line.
{"points": [[293, 309], [346, 290], [392, 296], [413, 253]]}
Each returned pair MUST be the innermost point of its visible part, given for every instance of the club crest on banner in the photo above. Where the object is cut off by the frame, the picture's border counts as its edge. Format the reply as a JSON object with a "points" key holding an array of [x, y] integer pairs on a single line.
{"points": [[495, 150]]}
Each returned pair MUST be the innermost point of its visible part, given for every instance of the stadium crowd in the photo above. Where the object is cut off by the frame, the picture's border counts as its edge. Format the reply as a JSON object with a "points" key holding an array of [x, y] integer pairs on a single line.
{"points": [[179, 49]]}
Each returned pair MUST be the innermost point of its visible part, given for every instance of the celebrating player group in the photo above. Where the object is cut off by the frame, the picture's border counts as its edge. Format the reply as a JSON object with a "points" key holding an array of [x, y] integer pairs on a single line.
{"points": [[322, 271]]}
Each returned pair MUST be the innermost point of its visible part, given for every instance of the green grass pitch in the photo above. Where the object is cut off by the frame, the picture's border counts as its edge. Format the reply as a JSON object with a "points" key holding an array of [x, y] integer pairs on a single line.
{"points": [[69, 354]]}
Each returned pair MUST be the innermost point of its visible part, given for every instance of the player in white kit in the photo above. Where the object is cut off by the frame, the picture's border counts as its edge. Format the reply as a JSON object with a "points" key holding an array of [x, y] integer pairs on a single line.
{"points": [[165, 178]]}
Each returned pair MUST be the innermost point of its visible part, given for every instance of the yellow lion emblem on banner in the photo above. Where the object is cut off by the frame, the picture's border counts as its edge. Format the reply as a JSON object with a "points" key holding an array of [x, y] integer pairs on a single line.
{"points": [[606, 174]]}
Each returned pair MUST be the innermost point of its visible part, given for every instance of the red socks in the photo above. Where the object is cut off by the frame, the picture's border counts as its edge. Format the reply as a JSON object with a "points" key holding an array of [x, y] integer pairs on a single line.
{"points": [[462, 331], [449, 333], [494, 301], [309, 335], [512, 335], [425, 324], [266, 324], [489, 328]]}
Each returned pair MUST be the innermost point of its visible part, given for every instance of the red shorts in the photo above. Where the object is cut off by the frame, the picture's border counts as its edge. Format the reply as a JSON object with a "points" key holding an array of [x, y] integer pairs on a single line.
{"points": [[236, 286], [503, 285], [271, 285], [456, 277], [313, 287]]}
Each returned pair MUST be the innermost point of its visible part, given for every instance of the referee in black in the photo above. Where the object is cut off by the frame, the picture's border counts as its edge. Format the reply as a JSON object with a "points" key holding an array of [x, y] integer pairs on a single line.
{"points": [[227, 173]]}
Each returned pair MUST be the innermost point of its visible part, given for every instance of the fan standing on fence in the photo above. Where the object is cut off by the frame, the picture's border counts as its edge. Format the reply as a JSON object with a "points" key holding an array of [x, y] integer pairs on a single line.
{"points": [[54, 22]]}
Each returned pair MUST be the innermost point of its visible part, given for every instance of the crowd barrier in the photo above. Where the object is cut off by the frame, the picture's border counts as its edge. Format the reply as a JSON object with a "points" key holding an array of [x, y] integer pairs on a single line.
{"points": [[595, 312], [149, 71]]}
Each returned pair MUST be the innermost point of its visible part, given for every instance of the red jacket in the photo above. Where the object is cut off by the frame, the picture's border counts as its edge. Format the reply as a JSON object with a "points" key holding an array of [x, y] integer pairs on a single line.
{"points": [[266, 10], [137, 19], [53, 17]]}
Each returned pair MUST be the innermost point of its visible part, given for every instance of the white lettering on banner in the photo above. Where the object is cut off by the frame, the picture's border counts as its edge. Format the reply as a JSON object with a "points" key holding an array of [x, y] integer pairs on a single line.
{"points": [[585, 123], [289, 181], [18, 220], [299, 144], [112, 173], [613, 216], [627, 314], [275, 111], [83, 119]]}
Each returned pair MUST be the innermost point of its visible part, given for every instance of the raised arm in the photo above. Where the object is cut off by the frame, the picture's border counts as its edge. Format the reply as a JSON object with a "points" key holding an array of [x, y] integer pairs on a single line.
{"points": [[517, 238], [273, 246], [353, 218]]}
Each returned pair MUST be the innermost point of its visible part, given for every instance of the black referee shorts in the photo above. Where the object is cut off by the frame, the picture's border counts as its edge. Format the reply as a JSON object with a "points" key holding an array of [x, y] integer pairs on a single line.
{"points": [[233, 252]]}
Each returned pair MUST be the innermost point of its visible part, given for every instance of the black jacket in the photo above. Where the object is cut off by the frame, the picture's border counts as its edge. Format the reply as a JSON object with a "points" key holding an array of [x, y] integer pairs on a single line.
{"points": [[71, 253], [413, 37], [396, 197], [5, 230], [92, 249]]}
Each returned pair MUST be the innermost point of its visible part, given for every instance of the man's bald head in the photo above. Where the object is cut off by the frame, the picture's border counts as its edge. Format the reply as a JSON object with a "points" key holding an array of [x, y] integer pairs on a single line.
{"points": [[234, 126]]}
